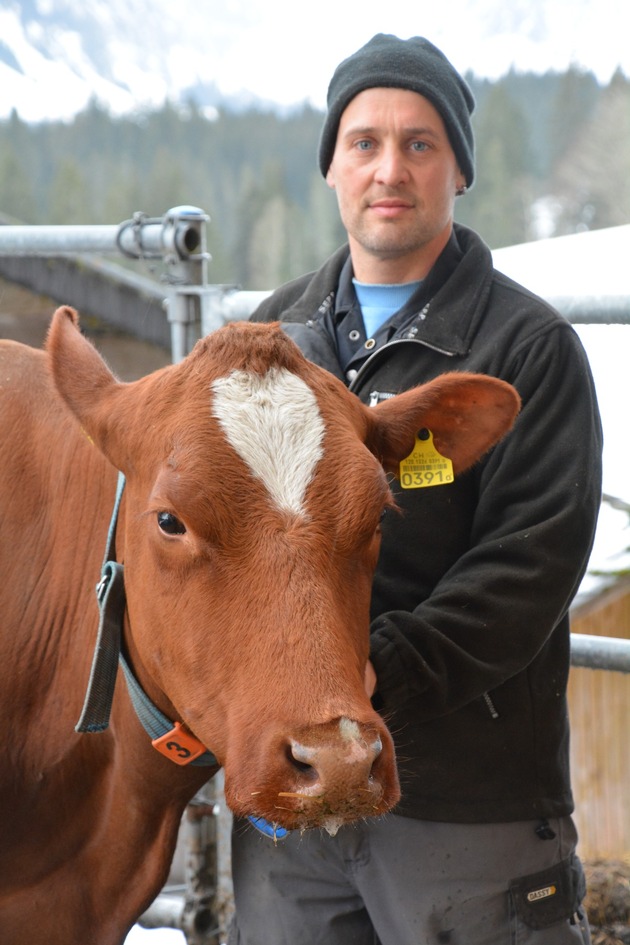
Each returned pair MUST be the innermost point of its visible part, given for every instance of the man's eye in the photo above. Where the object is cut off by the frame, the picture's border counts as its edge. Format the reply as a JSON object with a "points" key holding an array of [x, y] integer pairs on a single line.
{"points": [[364, 145], [419, 146]]}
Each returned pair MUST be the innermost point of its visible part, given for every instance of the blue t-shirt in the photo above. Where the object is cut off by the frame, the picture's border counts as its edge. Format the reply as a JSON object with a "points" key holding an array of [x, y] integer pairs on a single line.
{"points": [[380, 302]]}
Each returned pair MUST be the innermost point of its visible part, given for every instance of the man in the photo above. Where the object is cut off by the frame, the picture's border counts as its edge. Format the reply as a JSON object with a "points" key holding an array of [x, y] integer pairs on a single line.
{"points": [[469, 636]]}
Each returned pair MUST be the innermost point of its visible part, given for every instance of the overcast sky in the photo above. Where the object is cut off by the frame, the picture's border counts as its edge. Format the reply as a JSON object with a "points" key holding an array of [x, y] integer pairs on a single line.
{"points": [[288, 52]]}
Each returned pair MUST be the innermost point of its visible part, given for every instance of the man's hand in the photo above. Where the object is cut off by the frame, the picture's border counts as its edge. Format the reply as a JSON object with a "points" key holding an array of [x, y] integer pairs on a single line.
{"points": [[369, 679]]}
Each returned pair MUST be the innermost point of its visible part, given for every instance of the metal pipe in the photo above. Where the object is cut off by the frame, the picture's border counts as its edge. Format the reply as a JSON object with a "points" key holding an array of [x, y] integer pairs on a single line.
{"points": [[179, 234], [57, 240], [594, 652], [593, 309], [165, 912]]}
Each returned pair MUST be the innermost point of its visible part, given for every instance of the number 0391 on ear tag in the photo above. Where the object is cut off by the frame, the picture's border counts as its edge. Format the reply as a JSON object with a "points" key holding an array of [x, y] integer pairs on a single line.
{"points": [[424, 466]]}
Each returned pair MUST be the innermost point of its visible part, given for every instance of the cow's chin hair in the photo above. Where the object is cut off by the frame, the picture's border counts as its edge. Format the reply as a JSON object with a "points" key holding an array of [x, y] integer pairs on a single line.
{"points": [[299, 810]]}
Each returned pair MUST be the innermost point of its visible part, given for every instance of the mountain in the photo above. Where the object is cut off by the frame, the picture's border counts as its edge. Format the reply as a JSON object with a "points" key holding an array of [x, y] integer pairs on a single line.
{"points": [[57, 55]]}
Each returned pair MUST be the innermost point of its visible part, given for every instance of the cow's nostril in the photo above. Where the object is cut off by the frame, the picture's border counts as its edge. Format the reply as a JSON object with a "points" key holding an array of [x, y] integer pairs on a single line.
{"points": [[376, 769], [296, 755]]}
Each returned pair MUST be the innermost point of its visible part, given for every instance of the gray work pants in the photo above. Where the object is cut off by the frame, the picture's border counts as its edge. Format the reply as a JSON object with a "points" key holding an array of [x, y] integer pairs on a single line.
{"points": [[397, 881]]}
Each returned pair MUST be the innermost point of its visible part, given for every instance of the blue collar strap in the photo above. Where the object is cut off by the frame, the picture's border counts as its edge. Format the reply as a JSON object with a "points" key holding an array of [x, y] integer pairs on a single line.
{"points": [[172, 739]]}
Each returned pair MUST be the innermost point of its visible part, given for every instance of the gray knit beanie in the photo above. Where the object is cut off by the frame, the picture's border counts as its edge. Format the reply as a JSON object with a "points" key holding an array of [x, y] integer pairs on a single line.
{"points": [[415, 64]]}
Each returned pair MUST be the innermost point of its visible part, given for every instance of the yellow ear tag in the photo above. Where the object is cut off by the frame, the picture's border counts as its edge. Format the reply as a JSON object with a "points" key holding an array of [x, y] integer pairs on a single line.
{"points": [[424, 466]]}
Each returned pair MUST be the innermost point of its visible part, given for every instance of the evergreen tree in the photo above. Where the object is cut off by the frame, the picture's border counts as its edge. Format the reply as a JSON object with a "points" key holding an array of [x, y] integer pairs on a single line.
{"points": [[17, 198], [325, 231], [560, 137], [68, 197], [571, 107], [592, 179], [499, 203]]}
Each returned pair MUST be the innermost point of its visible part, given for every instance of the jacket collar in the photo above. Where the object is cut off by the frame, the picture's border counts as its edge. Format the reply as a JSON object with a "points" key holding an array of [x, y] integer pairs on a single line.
{"points": [[450, 302]]}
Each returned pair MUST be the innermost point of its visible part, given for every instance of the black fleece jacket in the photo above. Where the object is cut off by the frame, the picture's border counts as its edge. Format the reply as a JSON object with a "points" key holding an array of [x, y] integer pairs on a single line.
{"points": [[470, 633]]}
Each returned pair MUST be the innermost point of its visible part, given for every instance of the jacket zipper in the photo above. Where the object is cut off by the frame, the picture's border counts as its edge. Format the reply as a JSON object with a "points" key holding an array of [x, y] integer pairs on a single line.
{"points": [[398, 341], [490, 705]]}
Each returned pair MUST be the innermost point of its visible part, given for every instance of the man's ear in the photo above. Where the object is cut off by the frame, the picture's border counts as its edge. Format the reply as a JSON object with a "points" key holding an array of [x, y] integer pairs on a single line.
{"points": [[330, 178]]}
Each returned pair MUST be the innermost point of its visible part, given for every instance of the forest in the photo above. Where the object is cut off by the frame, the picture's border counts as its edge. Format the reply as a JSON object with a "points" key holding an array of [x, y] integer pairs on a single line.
{"points": [[553, 157]]}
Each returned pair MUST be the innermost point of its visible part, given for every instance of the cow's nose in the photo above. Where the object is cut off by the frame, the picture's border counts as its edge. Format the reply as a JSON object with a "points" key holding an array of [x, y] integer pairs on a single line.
{"points": [[347, 752], [321, 775]]}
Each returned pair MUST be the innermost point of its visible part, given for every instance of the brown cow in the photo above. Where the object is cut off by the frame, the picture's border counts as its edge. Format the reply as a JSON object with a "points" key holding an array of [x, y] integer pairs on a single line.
{"points": [[249, 531]]}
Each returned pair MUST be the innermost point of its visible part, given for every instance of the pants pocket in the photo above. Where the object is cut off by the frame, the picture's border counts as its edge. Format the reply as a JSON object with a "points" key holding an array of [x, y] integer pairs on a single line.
{"points": [[551, 897]]}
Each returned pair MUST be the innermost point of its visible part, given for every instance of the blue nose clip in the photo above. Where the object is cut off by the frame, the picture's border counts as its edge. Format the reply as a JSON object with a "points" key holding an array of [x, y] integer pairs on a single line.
{"points": [[273, 831]]}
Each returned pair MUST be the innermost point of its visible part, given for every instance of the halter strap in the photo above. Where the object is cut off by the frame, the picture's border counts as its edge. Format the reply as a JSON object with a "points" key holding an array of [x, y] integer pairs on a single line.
{"points": [[172, 739]]}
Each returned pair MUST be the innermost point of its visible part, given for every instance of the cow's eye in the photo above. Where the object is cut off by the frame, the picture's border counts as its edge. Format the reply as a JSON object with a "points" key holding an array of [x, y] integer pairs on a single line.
{"points": [[170, 525]]}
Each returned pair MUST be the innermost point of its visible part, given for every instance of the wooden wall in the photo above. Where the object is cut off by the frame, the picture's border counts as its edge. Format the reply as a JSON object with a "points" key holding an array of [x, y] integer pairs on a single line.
{"points": [[599, 706]]}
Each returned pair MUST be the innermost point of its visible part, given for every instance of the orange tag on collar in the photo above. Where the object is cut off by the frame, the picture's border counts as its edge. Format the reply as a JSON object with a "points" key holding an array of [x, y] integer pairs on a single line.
{"points": [[424, 466], [179, 745]]}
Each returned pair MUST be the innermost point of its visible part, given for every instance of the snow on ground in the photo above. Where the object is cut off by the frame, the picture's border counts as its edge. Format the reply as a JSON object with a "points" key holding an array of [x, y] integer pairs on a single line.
{"points": [[139, 936]]}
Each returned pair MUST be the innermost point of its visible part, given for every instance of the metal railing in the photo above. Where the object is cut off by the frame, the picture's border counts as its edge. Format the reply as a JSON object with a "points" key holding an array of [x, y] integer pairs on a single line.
{"points": [[594, 652], [193, 306], [178, 239]]}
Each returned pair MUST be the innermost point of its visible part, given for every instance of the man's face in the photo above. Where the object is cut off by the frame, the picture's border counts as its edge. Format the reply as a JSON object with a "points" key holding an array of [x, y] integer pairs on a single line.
{"points": [[396, 176]]}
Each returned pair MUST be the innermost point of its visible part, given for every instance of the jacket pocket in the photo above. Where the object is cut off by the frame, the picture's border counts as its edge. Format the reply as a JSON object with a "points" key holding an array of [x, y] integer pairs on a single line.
{"points": [[553, 895]]}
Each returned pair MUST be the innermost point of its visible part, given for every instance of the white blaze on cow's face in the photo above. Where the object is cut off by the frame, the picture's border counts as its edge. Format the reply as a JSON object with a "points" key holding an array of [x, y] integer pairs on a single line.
{"points": [[274, 424]]}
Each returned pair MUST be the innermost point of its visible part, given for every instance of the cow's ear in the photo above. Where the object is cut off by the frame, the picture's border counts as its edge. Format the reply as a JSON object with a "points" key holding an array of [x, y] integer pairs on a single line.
{"points": [[466, 413], [85, 383]]}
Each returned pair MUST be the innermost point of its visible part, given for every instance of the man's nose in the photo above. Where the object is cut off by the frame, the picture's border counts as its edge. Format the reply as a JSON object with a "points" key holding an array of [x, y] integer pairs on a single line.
{"points": [[392, 166]]}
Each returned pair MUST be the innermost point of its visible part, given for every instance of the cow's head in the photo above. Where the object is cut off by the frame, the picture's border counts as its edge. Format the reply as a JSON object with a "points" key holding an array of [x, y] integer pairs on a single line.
{"points": [[255, 487]]}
